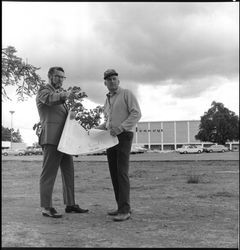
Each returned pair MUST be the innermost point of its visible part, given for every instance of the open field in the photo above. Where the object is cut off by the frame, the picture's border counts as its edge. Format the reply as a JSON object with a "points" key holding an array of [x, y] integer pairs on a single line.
{"points": [[167, 210]]}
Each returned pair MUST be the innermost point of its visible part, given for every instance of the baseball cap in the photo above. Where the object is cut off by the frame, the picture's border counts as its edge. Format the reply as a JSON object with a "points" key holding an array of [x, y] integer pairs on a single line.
{"points": [[110, 72]]}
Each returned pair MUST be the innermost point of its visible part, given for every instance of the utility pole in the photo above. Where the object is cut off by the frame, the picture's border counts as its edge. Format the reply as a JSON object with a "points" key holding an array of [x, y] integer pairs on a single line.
{"points": [[12, 112]]}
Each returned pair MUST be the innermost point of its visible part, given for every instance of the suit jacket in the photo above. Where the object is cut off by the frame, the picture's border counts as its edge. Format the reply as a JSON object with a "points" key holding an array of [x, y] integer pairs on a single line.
{"points": [[53, 113]]}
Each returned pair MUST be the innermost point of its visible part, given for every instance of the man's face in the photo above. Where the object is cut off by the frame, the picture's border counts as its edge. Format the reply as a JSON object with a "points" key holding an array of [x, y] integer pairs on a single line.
{"points": [[57, 79], [112, 83]]}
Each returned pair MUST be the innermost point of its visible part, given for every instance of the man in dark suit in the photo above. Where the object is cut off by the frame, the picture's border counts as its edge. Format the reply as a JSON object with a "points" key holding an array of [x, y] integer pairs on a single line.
{"points": [[53, 113]]}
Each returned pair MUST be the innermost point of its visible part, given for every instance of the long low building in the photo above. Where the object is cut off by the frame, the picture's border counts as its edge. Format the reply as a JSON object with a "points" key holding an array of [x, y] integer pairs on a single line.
{"points": [[13, 145], [170, 135]]}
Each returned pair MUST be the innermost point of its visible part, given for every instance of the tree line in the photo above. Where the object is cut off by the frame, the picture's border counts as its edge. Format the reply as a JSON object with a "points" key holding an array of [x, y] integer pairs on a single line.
{"points": [[6, 135]]}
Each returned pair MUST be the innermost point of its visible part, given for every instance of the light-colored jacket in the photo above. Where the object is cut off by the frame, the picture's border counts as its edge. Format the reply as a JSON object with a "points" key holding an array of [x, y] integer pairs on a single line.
{"points": [[121, 110]]}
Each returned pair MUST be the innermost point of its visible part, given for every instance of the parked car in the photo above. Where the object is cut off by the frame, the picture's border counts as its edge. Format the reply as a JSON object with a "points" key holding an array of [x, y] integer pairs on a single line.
{"points": [[33, 151], [188, 149], [7, 152], [216, 148], [100, 152], [29, 151], [136, 149], [38, 151]]}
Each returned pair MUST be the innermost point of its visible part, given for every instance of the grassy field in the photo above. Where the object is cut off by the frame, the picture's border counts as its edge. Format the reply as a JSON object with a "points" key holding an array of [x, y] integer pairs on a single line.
{"points": [[175, 204]]}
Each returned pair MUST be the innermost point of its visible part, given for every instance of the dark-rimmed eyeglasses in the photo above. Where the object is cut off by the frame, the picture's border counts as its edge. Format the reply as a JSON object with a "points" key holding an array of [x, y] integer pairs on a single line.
{"points": [[111, 78], [60, 77]]}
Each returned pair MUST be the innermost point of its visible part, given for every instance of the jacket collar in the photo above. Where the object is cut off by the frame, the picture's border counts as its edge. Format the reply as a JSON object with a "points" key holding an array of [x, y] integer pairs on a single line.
{"points": [[52, 88], [114, 93]]}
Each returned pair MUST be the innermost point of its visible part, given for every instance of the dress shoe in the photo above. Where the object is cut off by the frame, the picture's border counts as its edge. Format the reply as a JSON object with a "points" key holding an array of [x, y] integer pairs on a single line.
{"points": [[113, 212], [122, 217], [51, 212], [75, 209]]}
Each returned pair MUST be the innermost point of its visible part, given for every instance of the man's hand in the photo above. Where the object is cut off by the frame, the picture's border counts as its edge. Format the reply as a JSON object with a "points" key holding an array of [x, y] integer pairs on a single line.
{"points": [[115, 131], [99, 127], [72, 94], [72, 115]]}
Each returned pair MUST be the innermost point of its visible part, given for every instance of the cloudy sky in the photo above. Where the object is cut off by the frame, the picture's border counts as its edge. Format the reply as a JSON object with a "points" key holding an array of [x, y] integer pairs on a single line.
{"points": [[176, 57]]}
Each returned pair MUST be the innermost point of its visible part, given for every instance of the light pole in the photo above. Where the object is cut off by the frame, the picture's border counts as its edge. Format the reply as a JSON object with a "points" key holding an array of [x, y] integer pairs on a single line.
{"points": [[12, 112]]}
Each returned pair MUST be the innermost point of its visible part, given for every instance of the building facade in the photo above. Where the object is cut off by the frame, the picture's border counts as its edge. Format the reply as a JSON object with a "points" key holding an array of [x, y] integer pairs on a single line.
{"points": [[170, 135], [14, 145]]}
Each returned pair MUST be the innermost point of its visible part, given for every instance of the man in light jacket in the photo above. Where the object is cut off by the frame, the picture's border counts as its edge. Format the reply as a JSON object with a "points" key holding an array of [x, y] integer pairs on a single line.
{"points": [[122, 112]]}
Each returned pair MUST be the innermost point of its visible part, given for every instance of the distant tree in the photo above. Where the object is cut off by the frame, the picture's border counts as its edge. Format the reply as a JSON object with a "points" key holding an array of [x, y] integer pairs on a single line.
{"points": [[218, 125], [6, 135], [15, 72], [16, 136], [36, 145]]}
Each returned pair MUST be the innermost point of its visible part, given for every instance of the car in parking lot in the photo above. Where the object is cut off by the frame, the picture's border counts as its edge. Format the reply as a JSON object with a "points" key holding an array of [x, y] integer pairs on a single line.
{"points": [[136, 149], [100, 152], [188, 149], [33, 151], [38, 151], [29, 151], [7, 152], [216, 148]]}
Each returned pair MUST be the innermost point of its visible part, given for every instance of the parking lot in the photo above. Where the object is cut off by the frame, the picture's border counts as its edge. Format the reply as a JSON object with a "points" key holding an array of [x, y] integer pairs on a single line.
{"points": [[147, 156]]}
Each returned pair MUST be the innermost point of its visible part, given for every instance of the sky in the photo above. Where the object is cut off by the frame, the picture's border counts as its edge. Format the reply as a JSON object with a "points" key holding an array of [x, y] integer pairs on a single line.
{"points": [[176, 57]]}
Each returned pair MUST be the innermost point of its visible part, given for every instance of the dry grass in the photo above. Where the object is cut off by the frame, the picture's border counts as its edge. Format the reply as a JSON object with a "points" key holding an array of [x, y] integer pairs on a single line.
{"points": [[167, 211]]}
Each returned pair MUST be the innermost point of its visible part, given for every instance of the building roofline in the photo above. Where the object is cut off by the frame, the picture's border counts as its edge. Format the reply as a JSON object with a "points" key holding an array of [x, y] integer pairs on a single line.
{"points": [[172, 121]]}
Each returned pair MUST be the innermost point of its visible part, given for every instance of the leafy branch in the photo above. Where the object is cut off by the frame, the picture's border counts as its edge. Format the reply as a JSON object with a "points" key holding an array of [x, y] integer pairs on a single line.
{"points": [[86, 118], [15, 72]]}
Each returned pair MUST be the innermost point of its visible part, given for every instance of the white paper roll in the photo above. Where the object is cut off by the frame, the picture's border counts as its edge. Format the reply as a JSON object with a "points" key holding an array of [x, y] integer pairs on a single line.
{"points": [[75, 140]]}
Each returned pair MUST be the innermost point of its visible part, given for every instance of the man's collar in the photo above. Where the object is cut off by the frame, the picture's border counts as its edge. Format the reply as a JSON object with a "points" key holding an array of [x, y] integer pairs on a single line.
{"points": [[114, 93], [52, 87]]}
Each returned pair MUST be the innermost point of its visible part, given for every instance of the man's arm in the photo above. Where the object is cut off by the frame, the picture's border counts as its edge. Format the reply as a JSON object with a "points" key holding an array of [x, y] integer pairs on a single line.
{"points": [[133, 117], [134, 112], [48, 97]]}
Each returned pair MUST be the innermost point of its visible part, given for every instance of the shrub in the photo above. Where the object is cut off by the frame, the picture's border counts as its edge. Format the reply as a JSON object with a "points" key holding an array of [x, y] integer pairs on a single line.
{"points": [[193, 179]]}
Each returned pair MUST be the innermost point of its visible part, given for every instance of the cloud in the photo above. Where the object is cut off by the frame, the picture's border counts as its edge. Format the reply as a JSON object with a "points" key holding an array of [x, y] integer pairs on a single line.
{"points": [[194, 87], [166, 102], [148, 43], [176, 57], [164, 41]]}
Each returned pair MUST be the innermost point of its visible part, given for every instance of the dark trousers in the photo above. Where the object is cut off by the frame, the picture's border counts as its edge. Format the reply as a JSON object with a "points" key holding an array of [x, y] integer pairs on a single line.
{"points": [[52, 159], [118, 162]]}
